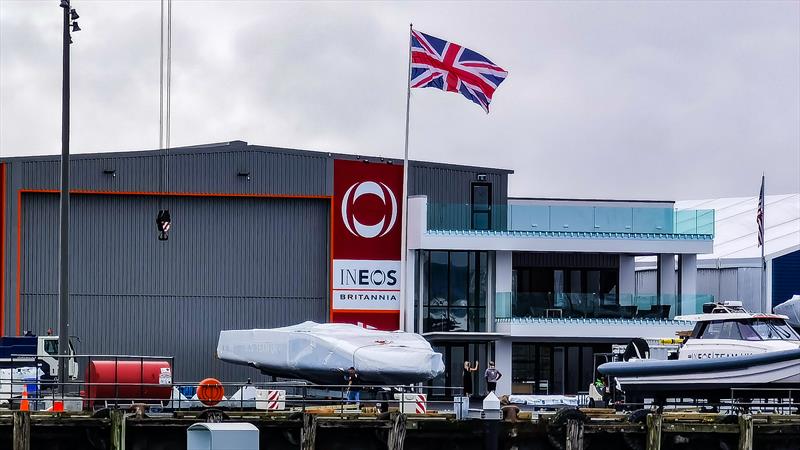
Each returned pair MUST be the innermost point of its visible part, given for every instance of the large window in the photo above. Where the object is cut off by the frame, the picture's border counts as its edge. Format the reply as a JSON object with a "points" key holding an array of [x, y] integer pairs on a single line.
{"points": [[553, 368], [581, 292], [481, 206], [454, 290], [454, 355]]}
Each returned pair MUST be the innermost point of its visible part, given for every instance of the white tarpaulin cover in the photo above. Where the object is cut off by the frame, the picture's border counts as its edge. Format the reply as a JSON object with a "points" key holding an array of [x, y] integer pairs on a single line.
{"points": [[321, 353], [791, 309]]}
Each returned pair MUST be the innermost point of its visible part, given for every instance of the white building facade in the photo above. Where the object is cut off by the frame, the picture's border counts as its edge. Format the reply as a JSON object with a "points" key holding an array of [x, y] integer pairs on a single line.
{"points": [[542, 285]]}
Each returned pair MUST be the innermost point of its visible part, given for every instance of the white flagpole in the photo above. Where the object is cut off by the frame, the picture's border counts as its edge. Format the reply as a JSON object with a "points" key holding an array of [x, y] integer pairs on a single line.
{"points": [[767, 304], [404, 222]]}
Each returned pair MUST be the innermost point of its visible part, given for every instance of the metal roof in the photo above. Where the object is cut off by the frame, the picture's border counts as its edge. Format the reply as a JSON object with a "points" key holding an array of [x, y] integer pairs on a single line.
{"points": [[242, 146], [736, 229]]}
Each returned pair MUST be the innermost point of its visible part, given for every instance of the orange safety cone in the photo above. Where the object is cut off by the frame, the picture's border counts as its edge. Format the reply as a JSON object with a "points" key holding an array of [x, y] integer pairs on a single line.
{"points": [[23, 404], [58, 406]]}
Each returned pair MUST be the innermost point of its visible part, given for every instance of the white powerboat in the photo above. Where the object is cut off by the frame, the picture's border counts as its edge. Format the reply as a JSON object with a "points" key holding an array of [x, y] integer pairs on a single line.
{"points": [[728, 348], [321, 353]]}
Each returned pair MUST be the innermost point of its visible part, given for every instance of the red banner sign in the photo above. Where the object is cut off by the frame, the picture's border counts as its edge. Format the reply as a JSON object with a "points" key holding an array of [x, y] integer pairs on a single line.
{"points": [[367, 202]]}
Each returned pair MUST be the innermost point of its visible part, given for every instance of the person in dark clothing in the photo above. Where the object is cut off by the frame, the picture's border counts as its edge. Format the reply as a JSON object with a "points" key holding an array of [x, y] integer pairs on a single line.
{"points": [[467, 377], [492, 375], [352, 381]]}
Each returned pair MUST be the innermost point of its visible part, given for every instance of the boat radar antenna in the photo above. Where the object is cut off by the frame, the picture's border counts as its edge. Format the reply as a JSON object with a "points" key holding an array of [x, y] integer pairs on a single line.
{"points": [[726, 307]]}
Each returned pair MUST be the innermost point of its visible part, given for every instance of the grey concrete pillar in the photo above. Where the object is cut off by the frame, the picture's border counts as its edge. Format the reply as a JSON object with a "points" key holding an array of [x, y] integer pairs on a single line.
{"points": [[627, 279], [687, 285], [502, 361], [666, 274], [667, 282], [502, 284]]}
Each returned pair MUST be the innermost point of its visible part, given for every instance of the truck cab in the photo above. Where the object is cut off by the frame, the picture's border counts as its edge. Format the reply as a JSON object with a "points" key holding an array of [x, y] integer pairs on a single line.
{"points": [[31, 350]]}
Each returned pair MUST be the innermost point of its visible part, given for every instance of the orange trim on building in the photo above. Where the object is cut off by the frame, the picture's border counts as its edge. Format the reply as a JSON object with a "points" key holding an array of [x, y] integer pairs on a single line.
{"points": [[149, 193], [19, 261], [172, 194]]}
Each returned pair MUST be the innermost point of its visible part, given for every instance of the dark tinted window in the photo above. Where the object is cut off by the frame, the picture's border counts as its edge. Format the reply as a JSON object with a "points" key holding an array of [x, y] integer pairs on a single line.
{"points": [[730, 330], [51, 346], [747, 332], [712, 330]]}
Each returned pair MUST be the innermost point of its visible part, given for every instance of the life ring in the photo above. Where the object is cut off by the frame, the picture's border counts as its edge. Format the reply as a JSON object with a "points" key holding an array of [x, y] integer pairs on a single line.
{"points": [[210, 391]]}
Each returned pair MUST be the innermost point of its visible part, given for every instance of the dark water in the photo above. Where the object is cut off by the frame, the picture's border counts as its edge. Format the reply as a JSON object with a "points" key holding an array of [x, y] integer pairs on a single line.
{"points": [[467, 435]]}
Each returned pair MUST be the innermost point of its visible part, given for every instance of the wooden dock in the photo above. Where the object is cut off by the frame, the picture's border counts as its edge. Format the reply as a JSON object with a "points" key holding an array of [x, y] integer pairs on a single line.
{"points": [[344, 429]]}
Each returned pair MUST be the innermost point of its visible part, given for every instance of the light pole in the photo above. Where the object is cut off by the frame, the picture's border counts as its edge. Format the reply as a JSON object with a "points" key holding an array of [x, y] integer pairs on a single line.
{"points": [[70, 15]]}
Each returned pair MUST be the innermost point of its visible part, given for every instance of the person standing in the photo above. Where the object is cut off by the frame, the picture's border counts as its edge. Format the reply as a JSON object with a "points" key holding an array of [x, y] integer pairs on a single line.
{"points": [[353, 391], [467, 377], [492, 375]]}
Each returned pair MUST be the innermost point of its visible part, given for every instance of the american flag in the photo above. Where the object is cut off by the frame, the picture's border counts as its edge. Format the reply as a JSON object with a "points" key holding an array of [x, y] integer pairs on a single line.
{"points": [[760, 214], [451, 67]]}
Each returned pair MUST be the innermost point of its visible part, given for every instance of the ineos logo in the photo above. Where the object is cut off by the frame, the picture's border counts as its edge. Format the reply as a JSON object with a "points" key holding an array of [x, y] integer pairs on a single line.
{"points": [[386, 196]]}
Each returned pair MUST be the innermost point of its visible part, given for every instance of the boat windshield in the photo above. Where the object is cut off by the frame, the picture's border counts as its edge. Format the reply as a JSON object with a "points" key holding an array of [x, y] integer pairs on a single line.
{"points": [[747, 330], [771, 329]]}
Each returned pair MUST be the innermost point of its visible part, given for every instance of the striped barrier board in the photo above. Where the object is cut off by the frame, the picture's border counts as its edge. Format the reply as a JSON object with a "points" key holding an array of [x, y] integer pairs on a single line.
{"points": [[413, 403], [270, 400]]}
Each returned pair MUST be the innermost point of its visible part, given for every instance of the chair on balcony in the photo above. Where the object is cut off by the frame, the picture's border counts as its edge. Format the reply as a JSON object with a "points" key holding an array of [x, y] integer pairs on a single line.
{"points": [[628, 311], [655, 312]]}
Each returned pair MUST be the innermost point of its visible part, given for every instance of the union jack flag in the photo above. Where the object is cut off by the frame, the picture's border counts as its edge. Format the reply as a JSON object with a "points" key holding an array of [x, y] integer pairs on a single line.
{"points": [[451, 67]]}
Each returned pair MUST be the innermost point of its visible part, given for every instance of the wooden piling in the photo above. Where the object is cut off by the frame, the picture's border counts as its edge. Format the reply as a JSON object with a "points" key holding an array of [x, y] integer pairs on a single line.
{"points": [[574, 435], [117, 429], [308, 435], [22, 430], [745, 432], [397, 434], [654, 431]]}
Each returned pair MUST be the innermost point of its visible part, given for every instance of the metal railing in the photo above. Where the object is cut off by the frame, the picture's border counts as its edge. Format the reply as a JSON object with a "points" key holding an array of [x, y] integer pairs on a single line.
{"points": [[571, 219], [165, 395], [597, 306]]}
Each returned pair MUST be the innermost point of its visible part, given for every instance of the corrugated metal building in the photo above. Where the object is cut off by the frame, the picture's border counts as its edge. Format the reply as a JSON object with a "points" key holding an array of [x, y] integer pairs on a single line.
{"points": [[237, 211]]}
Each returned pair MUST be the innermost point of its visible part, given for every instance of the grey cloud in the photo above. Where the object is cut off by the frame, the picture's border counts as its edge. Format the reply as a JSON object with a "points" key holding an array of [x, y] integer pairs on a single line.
{"points": [[604, 99]]}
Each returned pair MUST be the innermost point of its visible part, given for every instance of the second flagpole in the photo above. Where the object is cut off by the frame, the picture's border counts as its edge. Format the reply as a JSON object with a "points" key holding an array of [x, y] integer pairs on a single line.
{"points": [[404, 215]]}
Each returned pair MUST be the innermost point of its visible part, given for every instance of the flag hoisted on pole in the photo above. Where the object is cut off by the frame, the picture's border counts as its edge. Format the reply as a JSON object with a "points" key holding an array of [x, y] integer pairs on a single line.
{"points": [[451, 67], [760, 215], [761, 227], [436, 63]]}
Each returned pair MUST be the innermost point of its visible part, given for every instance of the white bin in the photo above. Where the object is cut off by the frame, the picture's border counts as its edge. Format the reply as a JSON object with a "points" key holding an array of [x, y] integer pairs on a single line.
{"points": [[222, 436]]}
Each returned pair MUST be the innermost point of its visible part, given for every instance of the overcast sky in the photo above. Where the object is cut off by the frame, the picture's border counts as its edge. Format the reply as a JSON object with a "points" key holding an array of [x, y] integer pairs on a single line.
{"points": [[651, 100]]}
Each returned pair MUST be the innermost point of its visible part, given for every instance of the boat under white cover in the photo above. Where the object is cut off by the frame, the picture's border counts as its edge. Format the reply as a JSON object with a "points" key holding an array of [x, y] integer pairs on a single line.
{"points": [[791, 309], [320, 353]]}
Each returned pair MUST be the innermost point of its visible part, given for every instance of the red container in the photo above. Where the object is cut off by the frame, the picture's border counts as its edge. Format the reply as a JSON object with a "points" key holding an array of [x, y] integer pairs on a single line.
{"points": [[128, 380]]}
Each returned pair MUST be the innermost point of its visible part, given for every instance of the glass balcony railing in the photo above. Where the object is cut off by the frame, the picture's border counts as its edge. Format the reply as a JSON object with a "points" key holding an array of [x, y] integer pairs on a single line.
{"points": [[597, 306], [584, 219]]}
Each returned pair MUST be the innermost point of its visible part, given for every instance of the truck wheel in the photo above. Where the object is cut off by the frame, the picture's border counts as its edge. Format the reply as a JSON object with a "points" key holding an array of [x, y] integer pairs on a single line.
{"points": [[557, 427]]}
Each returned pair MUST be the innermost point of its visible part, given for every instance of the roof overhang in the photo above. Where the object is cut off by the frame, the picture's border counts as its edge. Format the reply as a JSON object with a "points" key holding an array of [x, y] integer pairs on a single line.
{"points": [[455, 336]]}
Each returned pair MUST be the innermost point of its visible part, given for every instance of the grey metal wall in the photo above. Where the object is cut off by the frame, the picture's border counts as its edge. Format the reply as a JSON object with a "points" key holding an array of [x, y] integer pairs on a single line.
{"points": [[452, 184], [449, 191], [742, 283], [229, 263], [201, 170]]}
